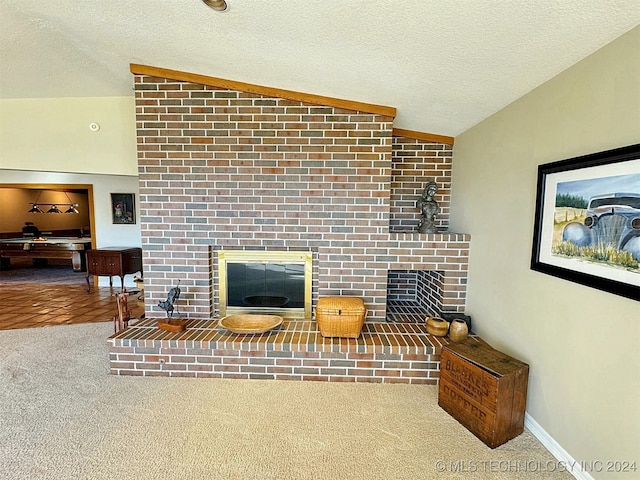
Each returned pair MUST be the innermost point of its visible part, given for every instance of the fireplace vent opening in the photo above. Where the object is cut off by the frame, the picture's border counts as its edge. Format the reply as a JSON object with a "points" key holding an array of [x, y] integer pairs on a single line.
{"points": [[273, 282]]}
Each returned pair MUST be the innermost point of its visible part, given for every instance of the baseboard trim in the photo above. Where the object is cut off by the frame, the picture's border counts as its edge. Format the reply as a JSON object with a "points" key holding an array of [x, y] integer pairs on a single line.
{"points": [[563, 457]]}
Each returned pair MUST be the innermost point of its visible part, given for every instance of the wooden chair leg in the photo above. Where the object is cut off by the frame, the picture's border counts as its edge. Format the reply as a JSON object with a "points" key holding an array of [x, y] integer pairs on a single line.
{"points": [[121, 321]]}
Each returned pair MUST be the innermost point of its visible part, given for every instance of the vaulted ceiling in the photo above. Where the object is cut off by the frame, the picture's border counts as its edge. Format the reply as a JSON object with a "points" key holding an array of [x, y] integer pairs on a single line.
{"points": [[444, 64]]}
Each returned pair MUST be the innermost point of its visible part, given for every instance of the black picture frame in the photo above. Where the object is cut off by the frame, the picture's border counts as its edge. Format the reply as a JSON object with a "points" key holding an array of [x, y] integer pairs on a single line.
{"points": [[559, 249], [123, 208]]}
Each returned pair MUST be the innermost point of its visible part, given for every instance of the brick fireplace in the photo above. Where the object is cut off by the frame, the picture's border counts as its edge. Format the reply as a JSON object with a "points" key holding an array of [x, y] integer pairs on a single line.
{"points": [[223, 167]]}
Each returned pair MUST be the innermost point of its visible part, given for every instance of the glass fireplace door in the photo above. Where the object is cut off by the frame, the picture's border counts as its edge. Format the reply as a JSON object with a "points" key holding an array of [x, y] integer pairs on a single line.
{"points": [[265, 282]]}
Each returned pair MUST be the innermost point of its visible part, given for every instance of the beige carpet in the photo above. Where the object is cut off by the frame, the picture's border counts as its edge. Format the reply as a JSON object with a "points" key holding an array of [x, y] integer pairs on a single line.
{"points": [[62, 416]]}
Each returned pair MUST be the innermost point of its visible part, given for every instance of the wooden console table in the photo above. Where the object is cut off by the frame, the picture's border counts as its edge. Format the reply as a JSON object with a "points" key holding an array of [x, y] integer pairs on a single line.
{"points": [[112, 261]]}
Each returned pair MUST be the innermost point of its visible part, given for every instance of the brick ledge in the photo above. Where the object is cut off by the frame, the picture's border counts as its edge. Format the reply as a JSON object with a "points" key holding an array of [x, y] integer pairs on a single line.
{"points": [[384, 353]]}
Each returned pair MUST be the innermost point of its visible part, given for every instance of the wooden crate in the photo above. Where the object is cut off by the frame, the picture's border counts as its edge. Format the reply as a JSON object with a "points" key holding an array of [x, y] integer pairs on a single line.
{"points": [[484, 389]]}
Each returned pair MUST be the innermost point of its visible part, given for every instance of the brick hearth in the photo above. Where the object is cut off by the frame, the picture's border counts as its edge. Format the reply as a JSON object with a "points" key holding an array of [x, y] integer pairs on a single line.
{"points": [[384, 353]]}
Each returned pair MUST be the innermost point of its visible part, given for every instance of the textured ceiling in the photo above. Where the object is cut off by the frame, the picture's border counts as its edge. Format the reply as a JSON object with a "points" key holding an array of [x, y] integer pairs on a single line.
{"points": [[444, 64]]}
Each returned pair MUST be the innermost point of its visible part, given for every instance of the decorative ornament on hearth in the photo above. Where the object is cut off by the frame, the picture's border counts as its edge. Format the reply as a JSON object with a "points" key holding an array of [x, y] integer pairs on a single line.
{"points": [[428, 208], [172, 297], [458, 331], [171, 324], [436, 326]]}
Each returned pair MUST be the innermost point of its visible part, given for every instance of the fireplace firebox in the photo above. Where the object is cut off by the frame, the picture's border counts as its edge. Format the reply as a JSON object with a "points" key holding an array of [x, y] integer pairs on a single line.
{"points": [[274, 282]]}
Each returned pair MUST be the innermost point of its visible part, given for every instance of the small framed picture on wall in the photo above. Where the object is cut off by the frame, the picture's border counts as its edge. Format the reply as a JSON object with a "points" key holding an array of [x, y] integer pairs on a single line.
{"points": [[123, 208]]}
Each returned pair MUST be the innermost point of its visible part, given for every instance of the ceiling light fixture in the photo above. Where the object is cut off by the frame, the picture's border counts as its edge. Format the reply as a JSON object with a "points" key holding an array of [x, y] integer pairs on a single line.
{"points": [[34, 206], [217, 5], [72, 206], [35, 209], [53, 207]]}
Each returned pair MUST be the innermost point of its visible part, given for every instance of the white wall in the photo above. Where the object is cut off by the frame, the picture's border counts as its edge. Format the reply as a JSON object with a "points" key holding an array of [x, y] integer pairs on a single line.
{"points": [[582, 344], [53, 134]]}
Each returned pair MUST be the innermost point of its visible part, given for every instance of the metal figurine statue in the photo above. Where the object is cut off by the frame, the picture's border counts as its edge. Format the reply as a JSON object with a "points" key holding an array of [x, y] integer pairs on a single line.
{"points": [[429, 208], [172, 298]]}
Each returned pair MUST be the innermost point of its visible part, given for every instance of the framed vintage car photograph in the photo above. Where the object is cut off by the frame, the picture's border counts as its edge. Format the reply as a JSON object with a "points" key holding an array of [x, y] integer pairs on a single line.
{"points": [[587, 220], [123, 208]]}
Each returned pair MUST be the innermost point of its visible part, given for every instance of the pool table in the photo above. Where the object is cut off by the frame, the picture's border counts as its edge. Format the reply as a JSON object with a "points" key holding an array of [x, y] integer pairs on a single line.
{"points": [[73, 248]]}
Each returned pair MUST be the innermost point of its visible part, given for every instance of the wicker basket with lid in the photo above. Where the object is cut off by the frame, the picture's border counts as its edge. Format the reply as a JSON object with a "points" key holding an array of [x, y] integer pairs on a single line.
{"points": [[340, 316]]}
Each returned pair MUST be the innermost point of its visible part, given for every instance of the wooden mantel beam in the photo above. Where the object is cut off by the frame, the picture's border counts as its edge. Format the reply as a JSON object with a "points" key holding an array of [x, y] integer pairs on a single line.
{"points": [[429, 137]]}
